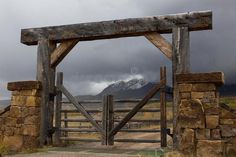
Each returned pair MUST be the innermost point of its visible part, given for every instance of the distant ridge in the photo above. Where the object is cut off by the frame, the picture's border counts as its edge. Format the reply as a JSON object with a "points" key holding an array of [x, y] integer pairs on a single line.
{"points": [[134, 89]]}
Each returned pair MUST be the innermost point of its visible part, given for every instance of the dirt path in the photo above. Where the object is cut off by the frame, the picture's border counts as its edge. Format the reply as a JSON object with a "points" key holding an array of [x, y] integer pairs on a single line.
{"points": [[95, 149], [72, 154]]}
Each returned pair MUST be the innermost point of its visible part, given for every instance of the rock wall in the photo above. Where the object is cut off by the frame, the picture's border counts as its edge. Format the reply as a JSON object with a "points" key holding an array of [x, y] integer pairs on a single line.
{"points": [[19, 127], [204, 126]]}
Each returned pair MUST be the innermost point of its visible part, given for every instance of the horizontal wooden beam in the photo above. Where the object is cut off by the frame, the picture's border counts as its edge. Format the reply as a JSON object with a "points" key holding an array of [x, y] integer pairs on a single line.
{"points": [[201, 20], [214, 77], [161, 43], [61, 51]]}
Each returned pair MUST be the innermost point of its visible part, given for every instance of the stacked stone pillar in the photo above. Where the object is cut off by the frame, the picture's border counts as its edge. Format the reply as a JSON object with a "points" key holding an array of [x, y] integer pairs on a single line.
{"points": [[205, 128], [20, 126]]}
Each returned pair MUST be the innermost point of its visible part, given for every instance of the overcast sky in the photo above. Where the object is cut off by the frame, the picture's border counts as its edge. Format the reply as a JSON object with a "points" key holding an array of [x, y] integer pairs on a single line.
{"points": [[93, 65]]}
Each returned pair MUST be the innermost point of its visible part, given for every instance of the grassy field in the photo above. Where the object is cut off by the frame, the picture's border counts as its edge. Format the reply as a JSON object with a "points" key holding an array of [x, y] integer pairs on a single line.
{"points": [[231, 101]]}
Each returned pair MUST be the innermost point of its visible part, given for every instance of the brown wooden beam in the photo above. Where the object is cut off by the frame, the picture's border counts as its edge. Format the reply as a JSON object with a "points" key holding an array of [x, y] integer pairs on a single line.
{"points": [[61, 51], [180, 64], [44, 75], [214, 77], [201, 20], [161, 43]]}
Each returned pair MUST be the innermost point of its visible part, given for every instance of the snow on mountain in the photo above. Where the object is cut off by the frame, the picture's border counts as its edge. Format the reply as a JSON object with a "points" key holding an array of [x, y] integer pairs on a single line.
{"points": [[122, 86]]}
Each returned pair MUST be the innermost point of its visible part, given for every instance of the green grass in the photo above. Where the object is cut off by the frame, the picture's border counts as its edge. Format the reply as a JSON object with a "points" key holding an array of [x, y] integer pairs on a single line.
{"points": [[231, 101], [150, 153]]}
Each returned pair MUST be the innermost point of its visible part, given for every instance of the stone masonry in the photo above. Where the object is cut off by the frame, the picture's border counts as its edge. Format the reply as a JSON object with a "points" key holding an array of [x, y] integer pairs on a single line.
{"points": [[205, 128], [19, 126]]}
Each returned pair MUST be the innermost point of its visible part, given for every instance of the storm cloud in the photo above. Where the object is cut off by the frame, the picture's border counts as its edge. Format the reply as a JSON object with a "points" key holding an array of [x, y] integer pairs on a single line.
{"points": [[93, 65]]}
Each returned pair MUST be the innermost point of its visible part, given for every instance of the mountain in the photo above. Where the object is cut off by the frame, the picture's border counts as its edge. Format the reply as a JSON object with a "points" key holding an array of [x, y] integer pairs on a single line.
{"points": [[124, 87], [135, 89], [132, 89]]}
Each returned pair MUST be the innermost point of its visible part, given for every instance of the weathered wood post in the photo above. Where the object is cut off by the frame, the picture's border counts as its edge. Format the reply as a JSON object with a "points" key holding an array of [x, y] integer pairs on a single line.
{"points": [[163, 108], [45, 75], [180, 64], [110, 139], [58, 109], [107, 119]]}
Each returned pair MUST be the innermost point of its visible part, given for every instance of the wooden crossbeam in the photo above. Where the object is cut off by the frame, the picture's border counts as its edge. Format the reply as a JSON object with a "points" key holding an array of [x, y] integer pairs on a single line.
{"points": [[201, 20], [150, 94], [61, 51], [161, 43], [81, 109]]}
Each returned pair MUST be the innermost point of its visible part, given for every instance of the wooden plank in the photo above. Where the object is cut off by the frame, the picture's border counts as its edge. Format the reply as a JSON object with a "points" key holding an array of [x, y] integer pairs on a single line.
{"points": [[110, 119], [150, 94], [58, 109], [200, 20], [104, 119], [116, 101], [76, 111], [43, 75], [142, 110], [214, 77], [78, 130], [139, 131], [163, 109], [180, 64], [137, 140], [81, 109], [61, 51], [52, 77], [79, 139], [116, 120], [66, 126], [161, 43]]}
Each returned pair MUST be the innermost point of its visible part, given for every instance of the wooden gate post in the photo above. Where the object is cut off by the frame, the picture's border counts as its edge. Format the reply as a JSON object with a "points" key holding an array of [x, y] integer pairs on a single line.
{"points": [[163, 108], [45, 75], [107, 119], [58, 109], [180, 64]]}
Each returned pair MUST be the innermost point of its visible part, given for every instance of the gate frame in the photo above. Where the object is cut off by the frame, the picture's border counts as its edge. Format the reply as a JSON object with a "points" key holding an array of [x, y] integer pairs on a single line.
{"points": [[108, 130], [49, 55]]}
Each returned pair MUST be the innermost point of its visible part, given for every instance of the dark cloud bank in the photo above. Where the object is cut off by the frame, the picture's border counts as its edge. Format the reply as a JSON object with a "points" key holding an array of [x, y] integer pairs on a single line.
{"points": [[92, 65]]}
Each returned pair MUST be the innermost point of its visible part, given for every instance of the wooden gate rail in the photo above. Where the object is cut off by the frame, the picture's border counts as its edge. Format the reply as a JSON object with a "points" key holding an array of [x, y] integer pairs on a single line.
{"points": [[115, 110], [163, 109], [115, 101], [80, 108], [150, 94], [105, 126]]}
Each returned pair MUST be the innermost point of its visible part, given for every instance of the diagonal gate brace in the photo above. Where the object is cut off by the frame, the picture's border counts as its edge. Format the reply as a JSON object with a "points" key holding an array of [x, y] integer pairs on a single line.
{"points": [[81, 109], [150, 94]]}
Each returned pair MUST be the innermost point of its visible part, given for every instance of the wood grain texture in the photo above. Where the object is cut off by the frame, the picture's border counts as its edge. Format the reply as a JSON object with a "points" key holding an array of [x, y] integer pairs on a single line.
{"points": [[200, 20], [61, 51], [163, 108], [58, 109], [81, 109], [43, 75], [161, 43], [214, 77], [128, 117], [180, 64], [52, 77]]}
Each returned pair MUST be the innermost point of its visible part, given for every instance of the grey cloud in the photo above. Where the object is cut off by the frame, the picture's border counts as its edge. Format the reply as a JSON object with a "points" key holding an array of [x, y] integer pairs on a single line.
{"points": [[111, 60]]}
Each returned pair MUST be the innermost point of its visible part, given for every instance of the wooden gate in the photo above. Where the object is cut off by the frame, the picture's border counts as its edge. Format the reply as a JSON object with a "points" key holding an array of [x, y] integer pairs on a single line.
{"points": [[107, 125]]}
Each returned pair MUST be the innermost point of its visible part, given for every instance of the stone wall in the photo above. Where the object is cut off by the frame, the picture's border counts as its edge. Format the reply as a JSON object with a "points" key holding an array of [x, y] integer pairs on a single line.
{"points": [[19, 127], [204, 127]]}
